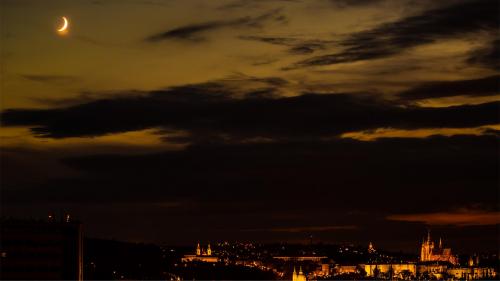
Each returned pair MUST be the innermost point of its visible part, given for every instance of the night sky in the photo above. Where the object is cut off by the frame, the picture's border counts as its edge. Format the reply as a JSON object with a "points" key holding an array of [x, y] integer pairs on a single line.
{"points": [[181, 121]]}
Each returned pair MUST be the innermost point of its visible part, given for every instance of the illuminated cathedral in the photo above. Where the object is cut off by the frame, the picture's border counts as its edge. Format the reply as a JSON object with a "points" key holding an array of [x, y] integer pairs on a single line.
{"points": [[431, 253], [298, 276], [200, 252], [201, 255]]}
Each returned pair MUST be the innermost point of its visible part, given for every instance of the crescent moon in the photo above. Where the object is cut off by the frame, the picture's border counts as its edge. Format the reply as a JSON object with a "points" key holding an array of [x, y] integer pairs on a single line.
{"points": [[64, 26]]}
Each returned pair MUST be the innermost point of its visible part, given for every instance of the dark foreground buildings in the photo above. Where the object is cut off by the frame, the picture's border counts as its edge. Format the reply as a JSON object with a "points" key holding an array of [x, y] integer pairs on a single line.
{"points": [[35, 249]]}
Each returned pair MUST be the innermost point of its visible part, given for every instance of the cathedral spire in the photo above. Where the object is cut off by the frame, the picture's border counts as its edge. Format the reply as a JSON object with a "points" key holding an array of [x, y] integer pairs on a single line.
{"points": [[301, 276], [428, 235], [440, 243], [198, 249]]}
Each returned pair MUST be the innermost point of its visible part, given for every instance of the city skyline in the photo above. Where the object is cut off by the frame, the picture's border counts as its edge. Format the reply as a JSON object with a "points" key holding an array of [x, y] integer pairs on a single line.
{"points": [[163, 121], [56, 249]]}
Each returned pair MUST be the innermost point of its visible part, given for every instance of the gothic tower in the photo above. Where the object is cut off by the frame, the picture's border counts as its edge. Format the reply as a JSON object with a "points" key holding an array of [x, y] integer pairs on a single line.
{"points": [[209, 250], [301, 276], [427, 248]]}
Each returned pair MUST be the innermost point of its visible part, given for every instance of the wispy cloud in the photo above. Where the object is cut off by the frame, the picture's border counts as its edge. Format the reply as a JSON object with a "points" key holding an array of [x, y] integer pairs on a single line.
{"points": [[305, 228], [194, 32], [353, 3], [245, 4], [487, 55], [49, 78], [295, 45], [485, 86], [393, 38], [458, 218]]}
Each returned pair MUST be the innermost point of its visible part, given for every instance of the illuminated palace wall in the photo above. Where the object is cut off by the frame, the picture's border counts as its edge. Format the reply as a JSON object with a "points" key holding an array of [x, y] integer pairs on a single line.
{"points": [[397, 269], [436, 270]]}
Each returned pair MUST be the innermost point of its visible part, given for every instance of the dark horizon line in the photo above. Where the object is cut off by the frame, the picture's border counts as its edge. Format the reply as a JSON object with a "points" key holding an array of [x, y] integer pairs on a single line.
{"points": [[321, 243]]}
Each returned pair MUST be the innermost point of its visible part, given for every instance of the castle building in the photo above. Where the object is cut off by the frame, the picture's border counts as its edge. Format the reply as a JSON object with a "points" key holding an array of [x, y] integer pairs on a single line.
{"points": [[430, 253], [437, 263]]}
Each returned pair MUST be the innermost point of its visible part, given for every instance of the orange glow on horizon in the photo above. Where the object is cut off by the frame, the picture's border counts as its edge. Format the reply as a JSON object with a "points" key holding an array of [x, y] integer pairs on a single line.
{"points": [[458, 218]]}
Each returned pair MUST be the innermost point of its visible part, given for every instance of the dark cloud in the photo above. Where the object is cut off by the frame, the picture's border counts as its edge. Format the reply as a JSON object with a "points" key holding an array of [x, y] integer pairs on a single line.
{"points": [[251, 186], [195, 31], [245, 4], [353, 3], [49, 78], [306, 48], [393, 38], [487, 56], [212, 110], [242, 79], [492, 132], [488, 86], [307, 229], [83, 97], [267, 171], [282, 41], [295, 45]]}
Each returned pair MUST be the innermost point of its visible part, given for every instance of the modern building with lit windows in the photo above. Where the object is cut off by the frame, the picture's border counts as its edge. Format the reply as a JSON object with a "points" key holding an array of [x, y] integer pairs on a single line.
{"points": [[35, 249]]}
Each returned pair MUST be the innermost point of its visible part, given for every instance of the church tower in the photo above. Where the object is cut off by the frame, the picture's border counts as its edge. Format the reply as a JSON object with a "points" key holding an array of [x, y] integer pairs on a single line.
{"points": [[298, 276], [301, 276], [371, 249], [198, 249], [471, 261], [427, 248], [209, 250], [423, 251]]}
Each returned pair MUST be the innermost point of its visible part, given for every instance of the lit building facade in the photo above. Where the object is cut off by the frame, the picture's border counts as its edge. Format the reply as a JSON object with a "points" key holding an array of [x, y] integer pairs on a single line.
{"points": [[401, 270], [300, 276], [430, 253], [435, 263], [43, 250], [201, 255], [301, 258], [468, 273], [346, 269]]}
